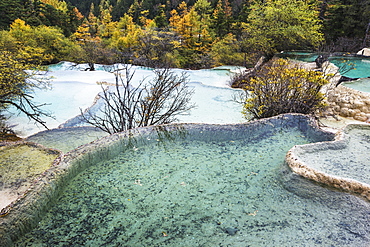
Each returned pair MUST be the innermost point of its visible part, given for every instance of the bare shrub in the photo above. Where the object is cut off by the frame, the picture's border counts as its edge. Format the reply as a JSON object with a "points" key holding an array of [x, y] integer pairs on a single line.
{"points": [[159, 101]]}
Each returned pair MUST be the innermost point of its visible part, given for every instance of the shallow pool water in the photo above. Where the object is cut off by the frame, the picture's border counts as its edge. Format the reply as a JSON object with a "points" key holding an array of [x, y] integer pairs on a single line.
{"points": [[67, 139], [301, 56], [233, 190], [348, 160], [20, 164], [361, 65], [362, 85]]}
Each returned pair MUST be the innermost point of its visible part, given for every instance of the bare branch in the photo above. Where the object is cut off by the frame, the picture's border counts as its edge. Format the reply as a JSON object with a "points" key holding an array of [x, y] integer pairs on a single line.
{"points": [[157, 102]]}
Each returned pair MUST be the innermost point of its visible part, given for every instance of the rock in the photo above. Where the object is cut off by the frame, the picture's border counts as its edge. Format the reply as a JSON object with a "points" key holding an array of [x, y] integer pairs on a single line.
{"points": [[336, 108], [366, 101], [351, 112], [364, 52], [358, 104], [360, 118], [358, 112], [365, 109], [344, 112], [231, 231], [346, 105], [320, 60]]}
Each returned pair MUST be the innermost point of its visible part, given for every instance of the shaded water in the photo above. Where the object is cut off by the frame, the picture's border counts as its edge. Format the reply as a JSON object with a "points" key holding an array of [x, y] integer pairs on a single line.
{"points": [[203, 191], [361, 65], [21, 161], [19, 166]]}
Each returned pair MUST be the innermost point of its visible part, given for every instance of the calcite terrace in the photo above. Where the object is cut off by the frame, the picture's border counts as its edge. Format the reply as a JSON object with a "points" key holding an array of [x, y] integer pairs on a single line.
{"points": [[343, 163]]}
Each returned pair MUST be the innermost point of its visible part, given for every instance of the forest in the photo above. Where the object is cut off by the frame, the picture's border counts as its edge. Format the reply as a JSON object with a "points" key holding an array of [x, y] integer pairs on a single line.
{"points": [[186, 34]]}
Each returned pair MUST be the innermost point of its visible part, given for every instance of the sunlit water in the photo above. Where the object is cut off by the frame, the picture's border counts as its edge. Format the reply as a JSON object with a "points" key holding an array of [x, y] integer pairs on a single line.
{"points": [[361, 66], [361, 69], [212, 191]]}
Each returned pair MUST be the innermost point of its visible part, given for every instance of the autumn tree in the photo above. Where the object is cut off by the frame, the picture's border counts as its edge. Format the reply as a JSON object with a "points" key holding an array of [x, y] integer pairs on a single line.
{"points": [[18, 79], [156, 49], [194, 32], [36, 45], [91, 36], [134, 11], [227, 51], [125, 38], [105, 25], [277, 25], [22, 50], [91, 49], [92, 22], [161, 19], [29, 11], [58, 13], [54, 13]]}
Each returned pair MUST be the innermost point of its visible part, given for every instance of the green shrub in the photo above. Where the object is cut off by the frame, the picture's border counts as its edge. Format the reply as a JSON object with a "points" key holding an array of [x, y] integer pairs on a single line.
{"points": [[282, 87]]}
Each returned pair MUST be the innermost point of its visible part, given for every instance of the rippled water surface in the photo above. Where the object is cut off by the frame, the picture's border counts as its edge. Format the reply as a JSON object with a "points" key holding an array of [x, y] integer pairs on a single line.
{"points": [[234, 192]]}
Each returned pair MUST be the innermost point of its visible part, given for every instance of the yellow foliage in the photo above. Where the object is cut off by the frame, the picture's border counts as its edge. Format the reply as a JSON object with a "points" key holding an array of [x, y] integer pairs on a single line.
{"points": [[126, 34], [194, 31], [13, 76], [281, 87], [35, 44], [60, 5]]}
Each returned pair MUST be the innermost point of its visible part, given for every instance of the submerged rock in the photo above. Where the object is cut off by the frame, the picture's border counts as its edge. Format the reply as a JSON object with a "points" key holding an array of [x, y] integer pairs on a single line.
{"points": [[231, 231]]}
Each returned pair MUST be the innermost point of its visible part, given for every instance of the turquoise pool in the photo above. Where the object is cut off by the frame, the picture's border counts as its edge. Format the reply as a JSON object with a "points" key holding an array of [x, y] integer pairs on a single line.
{"points": [[204, 185], [361, 64], [361, 67]]}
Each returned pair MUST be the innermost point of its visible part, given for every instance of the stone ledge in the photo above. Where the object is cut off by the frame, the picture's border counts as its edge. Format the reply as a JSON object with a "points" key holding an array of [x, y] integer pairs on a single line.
{"points": [[333, 156]]}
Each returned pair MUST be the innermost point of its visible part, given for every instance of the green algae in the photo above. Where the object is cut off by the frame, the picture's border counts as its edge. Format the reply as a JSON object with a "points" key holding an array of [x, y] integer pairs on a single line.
{"points": [[214, 186], [23, 162], [20, 165]]}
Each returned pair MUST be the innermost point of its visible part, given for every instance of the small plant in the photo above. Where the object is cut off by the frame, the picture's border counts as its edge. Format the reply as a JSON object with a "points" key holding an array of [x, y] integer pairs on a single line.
{"points": [[282, 87]]}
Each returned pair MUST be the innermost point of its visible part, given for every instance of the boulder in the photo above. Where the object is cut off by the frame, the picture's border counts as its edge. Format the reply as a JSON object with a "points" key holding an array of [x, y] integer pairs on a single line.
{"points": [[320, 60], [364, 52]]}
